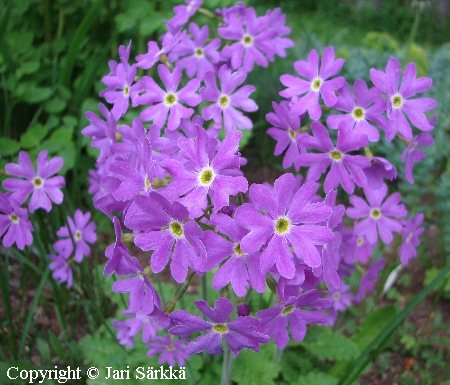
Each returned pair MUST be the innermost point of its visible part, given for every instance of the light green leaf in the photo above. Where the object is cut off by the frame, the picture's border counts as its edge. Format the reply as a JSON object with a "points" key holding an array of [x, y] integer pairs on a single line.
{"points": [[252, 368], [36, 94], [27, 68], [325, 344], [33, 136], [44, 350], [55, 105], [9, 147], [316, 378]]}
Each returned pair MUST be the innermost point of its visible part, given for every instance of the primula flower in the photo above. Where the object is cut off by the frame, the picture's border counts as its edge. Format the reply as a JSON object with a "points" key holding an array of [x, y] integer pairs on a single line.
{"points": [[291, 219], [346, 170], [239, 267], [380, 215], [62, 271], [14, 223], [81, 231], [315, 85], [227, 99], [274, 321], [168, 102], [410, 236], [366, 105], [369, 279], [241, 333], [284, 131], [277, 24], [165, 228], [182, 14], [169, 40], [399, 101], [170, 350], [44, 188], [379, 169], [413, 154], [254, 40], [205, 176], [198, 57]]}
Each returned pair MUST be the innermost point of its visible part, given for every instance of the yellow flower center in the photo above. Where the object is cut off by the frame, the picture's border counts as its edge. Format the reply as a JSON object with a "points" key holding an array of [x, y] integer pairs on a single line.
{"points": [[126, 91], [237, 249], [199, 52], [206, 177], [360, 241], [77, 235], [170, 99], [224, 100], [316, 84], [397, 101], [375, 213], [38, 182], [176, 229], [220, 328], [336, 155], [282, 225], [358, 113], [288, 310], [14, 218]]}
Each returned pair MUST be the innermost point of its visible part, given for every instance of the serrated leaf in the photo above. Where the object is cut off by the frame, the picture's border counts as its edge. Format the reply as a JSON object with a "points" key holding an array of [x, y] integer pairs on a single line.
{"points": [[295, 361], [316, 378], [325, 344], [252, 368], [9, 147], [33, 136]]}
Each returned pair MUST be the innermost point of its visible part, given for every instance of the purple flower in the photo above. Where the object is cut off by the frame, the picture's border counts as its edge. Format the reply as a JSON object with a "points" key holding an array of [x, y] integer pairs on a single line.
{"points": [[44, 188], [379, 169], [368, 105], [165, 228], [410, 236], [239, 267], [254, 40], [290, 219], [279, 43], [170, 351], [81, 232], [205, 176], [284, 131], [182, 14], [121, 89], [346, 169], [413, 154], [274, 321], [14, 223], [168, 102], [241, 333], [379, 217], [169, 40], [103, 133], [315, 84], [226, 99], [198, 57], [62, 271], [399, 101], [369, 279]]}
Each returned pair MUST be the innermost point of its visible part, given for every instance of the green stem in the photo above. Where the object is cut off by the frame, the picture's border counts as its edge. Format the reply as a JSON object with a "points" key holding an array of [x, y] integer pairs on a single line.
{"points": [[277, 355], [226, 366], [170, 306]]}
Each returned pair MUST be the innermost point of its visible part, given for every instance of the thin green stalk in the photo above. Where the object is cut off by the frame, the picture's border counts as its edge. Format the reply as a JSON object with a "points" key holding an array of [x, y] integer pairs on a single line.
{"points": [[30, 316], [226, 366], [191, 372], [4, 286], [355, 369], [277, 355]]}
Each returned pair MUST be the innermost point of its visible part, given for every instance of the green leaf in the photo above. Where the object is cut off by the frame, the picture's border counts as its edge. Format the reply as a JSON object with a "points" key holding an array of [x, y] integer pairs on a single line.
{"points": [[325, 344], [57, 346], [20, 365], [432, 273], [316, 378], [28, 68], [252, 368], [55, 105], [44, 350], [9, 147], [37, 94], [33, 136], [374, 323]]}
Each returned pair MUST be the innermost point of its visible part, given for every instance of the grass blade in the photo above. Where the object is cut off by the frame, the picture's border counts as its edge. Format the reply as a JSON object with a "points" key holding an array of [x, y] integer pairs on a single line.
{"points": [[355, 369]]}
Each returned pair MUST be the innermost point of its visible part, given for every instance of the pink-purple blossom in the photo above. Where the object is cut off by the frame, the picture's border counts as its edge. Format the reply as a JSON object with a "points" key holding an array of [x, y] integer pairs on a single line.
{"points": [[43, 187]]}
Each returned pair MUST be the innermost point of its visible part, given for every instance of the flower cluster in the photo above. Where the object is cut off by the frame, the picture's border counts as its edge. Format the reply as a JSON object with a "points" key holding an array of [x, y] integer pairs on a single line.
{"points": [[172, 177]]}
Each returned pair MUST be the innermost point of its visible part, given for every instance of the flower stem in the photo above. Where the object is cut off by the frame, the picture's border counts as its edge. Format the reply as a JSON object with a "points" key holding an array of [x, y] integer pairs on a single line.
{"points": [[226, 366]]}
